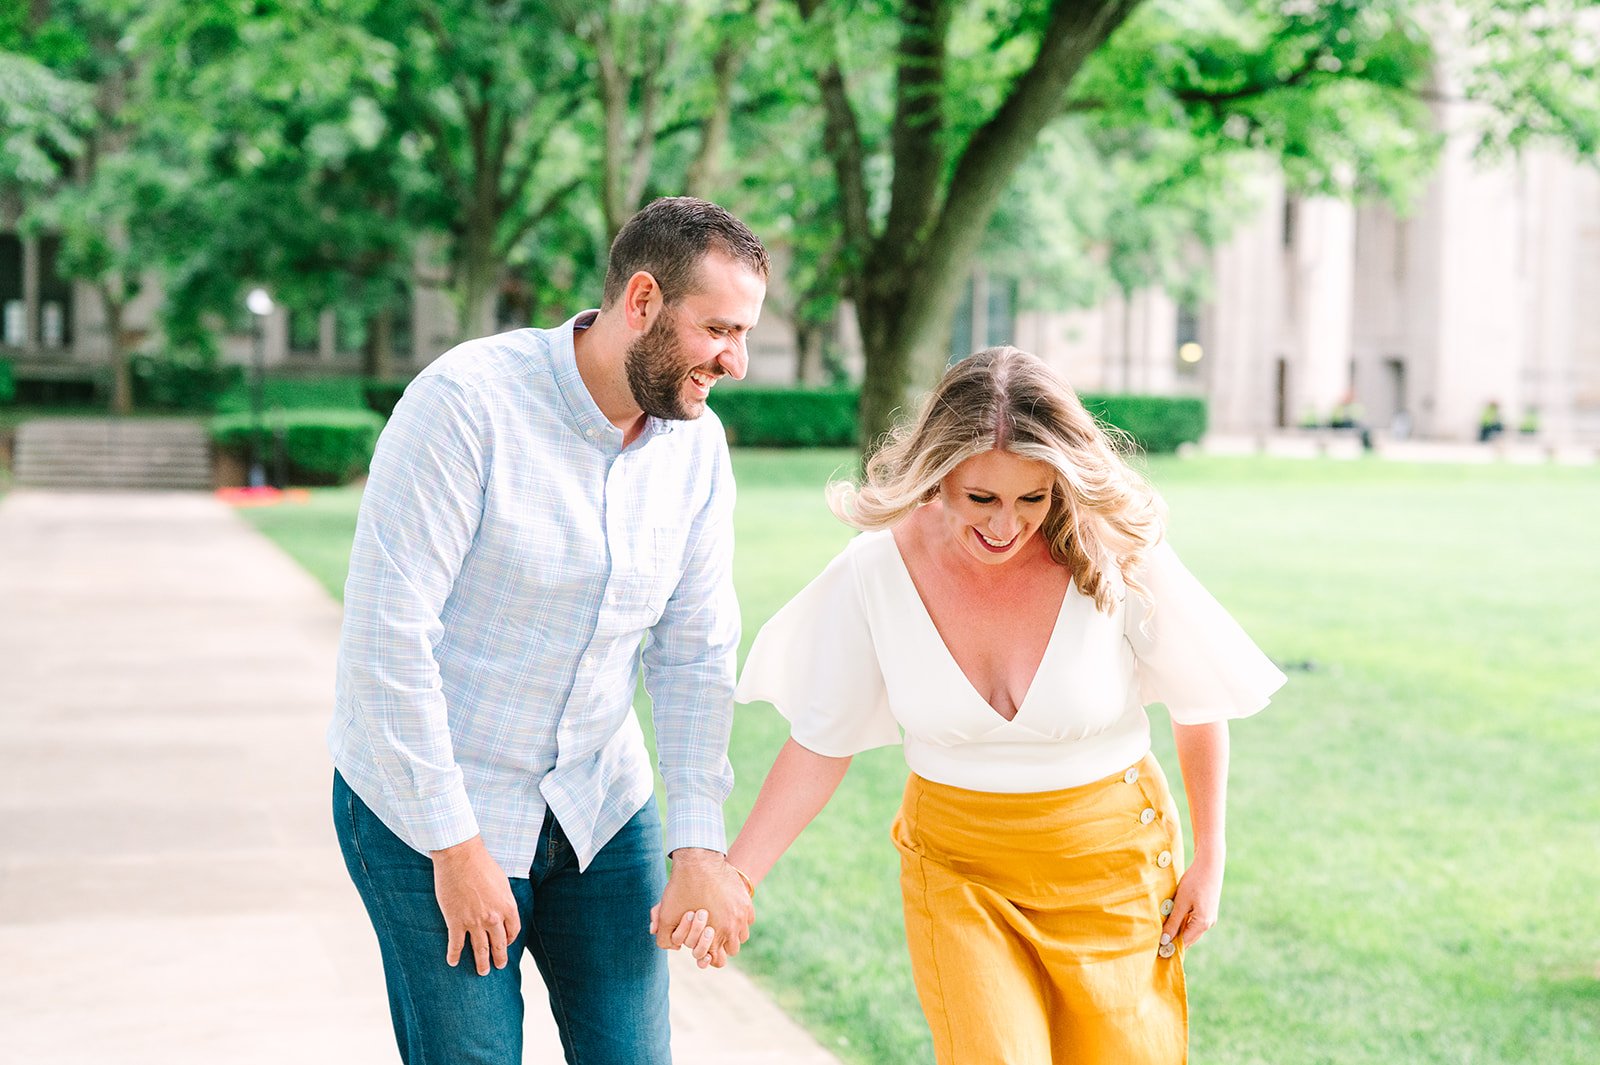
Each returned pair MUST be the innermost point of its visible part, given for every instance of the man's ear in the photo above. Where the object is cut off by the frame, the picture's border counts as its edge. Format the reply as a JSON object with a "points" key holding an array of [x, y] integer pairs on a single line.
{"points": [[641, 296]]}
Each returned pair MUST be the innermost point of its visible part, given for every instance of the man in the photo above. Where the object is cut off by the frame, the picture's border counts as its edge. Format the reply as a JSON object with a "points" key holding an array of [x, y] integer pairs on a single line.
{"points": [[541, 503]]}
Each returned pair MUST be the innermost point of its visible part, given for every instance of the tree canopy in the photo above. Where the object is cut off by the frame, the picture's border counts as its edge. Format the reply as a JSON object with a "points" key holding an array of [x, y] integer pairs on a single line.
{"points": [[340, 150]]}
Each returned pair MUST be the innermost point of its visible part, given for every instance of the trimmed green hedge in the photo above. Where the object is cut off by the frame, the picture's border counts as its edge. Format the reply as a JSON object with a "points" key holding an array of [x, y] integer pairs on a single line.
{"points": [[320, 446], [787, 417], [826, 417], [78, 386], [1158, 424], [298, 393], [383, 395], [189, 382], [194, 383], [8, 383]]}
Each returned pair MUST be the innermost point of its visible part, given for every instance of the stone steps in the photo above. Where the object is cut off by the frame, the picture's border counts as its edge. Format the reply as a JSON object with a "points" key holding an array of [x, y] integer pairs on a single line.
{"points": [[88, 453]]}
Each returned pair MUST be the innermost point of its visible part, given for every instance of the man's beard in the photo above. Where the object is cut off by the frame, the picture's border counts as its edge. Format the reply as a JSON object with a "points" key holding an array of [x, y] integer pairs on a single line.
{"points": [[657, 374]]}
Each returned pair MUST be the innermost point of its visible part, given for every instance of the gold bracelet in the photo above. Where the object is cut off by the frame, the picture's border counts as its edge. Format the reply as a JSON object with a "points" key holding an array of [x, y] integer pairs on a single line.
{"points": [[749, 885]]}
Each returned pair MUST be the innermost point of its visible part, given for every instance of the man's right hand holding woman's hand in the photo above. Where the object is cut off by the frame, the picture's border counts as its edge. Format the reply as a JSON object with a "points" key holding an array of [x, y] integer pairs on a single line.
{"points": [[706, 907]]}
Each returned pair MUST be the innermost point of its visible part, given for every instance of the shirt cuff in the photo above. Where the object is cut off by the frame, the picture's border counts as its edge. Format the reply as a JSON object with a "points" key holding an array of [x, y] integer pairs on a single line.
{"points": [[437, 821], [695, 821]]}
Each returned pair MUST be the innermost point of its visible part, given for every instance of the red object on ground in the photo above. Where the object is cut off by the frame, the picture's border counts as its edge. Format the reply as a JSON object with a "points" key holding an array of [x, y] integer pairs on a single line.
{"points": [[262, 497]]}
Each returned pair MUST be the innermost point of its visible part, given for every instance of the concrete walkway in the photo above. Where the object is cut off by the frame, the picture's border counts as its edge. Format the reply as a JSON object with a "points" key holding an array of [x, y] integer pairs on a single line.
{"points": [[170, 890], [1322, 443]]}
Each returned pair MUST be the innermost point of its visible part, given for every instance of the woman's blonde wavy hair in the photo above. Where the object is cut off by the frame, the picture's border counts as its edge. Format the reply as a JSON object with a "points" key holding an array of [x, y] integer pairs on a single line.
{"points": [[1102, 512]]}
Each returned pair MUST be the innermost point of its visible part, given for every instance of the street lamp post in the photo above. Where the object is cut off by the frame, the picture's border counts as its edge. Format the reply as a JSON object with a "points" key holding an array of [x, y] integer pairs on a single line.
{"points": [[260, 305]]}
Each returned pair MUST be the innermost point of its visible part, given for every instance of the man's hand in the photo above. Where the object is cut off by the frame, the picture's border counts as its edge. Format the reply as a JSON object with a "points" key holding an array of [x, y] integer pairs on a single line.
{"points": [[475, 898], [703, 880]]}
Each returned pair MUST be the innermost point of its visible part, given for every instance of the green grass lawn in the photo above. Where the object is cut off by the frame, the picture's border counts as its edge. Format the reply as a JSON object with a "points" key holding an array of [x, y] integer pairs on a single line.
{"points": [[1415, 821]]}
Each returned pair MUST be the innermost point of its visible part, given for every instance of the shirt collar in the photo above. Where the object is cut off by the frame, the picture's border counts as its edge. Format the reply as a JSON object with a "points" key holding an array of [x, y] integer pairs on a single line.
{"points": [[586, 416]]}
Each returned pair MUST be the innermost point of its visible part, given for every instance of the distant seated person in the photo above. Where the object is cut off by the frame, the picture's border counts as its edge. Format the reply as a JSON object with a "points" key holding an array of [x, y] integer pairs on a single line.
{"points": [[1348, 414], [1490, 424]]}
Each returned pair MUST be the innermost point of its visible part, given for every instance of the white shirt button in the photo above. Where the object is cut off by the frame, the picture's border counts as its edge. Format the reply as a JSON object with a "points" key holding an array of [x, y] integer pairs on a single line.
{"points": [[1147, 816], [1164, 859], [1166, 950], [588, 661], [1166, 907], [1131, 775]]}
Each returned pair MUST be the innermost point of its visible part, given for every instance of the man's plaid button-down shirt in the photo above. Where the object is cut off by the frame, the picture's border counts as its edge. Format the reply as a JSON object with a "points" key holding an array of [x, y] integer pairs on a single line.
{"points": [[510, 559]]}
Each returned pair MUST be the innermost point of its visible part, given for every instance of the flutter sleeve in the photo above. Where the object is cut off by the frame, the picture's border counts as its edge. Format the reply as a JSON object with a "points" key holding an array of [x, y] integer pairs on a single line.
{"points": [[815, 661], [1191, 654]]}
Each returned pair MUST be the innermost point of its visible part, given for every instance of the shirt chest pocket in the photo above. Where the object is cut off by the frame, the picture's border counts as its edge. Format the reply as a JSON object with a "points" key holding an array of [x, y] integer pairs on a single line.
{"points": [[639, 592]]}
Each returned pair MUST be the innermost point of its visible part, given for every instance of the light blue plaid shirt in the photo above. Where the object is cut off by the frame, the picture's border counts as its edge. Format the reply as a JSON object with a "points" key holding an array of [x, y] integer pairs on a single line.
{"points": [[509, 558]]}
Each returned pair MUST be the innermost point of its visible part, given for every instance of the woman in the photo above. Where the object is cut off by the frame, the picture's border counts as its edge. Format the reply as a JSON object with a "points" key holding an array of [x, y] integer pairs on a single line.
{"points": [[1012, 608]]}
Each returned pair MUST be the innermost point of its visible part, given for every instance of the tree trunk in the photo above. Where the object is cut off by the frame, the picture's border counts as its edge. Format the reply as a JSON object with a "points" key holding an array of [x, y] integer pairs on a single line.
{"points": [[905, 331], [810, 370], [477, 287], [615, 83], [890, 386], [906, 293], [378, 354], [121, 372]]}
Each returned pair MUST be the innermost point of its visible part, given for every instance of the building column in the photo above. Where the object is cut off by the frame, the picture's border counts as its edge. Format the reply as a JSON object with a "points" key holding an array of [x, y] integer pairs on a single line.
{"points": [[1242, 325], [1323, 264]]}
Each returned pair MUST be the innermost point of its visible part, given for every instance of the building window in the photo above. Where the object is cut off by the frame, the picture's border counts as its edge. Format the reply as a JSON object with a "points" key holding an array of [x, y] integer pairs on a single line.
{"points": [[961, 325], [305, 333], [55, 297], [1280, 394], [349, 331], [1000, 324], [986, 315], [1189, 351], [13, 310], [48, 323], [400, 337], [1291, 213]]}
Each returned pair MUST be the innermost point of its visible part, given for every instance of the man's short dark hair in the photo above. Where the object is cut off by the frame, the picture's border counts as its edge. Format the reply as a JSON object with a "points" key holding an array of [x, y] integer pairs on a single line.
{"points": [[669, 238]]}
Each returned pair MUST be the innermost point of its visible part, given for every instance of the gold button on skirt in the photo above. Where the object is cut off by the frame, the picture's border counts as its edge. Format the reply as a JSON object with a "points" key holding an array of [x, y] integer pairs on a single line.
{"points": [[1034, 921]]}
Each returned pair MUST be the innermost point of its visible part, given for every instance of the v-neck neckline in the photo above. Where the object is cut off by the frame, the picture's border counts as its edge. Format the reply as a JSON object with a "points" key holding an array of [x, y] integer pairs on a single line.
{"points": [[949, 656]]}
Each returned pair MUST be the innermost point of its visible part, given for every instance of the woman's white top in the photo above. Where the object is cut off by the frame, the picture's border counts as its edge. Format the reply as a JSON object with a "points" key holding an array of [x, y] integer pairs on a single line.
{"points": [[854, 659]]}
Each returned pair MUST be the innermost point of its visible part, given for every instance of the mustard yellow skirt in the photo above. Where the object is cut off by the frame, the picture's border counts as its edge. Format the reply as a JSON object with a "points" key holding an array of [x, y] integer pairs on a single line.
{"points": [[1034, 921]]}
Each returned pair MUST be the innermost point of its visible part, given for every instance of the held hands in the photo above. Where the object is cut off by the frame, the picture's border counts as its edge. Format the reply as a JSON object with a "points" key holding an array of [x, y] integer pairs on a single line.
{"points": [[1195, 904], [476, 901], [703, 883], [692, 933]]}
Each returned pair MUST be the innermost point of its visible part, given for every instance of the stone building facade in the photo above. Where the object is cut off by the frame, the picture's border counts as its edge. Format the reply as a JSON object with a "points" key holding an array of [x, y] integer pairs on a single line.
{"points": [[1487, 290]]}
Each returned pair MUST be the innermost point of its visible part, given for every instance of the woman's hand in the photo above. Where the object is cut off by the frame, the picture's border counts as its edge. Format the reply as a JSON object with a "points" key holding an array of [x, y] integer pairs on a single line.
{"points": [[1195, 904], [692, 933]]}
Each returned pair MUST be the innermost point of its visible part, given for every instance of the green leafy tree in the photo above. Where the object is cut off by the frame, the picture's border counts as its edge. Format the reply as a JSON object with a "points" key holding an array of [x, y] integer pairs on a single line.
{"points": [[925, 152], [43, 118], [299, 180], [348, 139], [1535, 71], [110, 232], [93, 208], [665, 76], [489, 93]]}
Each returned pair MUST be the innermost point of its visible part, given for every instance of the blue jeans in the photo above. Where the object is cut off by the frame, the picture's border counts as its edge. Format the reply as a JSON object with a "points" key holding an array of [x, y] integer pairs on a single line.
{"points": [[588, 932]]}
